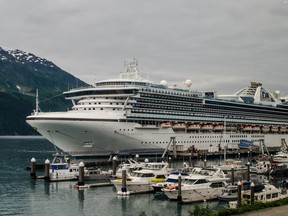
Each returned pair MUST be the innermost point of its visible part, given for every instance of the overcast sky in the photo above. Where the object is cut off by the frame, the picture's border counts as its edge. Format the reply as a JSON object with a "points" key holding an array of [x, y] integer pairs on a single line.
{"points": [[219, 44]]}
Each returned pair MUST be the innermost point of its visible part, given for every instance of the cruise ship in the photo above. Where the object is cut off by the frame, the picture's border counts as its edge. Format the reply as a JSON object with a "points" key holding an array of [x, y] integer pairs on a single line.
{"points": [[130, 114]]}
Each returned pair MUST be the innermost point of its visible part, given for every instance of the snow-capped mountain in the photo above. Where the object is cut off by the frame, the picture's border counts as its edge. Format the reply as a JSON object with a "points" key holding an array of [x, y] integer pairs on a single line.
{"points": [[8, 54], [21, 73]]}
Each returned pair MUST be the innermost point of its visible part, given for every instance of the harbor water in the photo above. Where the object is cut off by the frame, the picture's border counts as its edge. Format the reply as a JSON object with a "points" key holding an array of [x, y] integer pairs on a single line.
{"points": [[20, 195]]}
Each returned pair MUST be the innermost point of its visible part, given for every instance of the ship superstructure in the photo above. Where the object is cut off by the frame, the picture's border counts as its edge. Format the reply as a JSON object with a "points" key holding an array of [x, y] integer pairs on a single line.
{"points": [[130, 113]]}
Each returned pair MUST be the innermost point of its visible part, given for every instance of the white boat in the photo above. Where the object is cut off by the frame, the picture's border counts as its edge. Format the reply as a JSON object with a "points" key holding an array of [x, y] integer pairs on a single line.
{"points": [[280, 157], [170, 181], [231, 163], [127, 115], [229, 193], [62, 170], [263, 166], [140, 181], [196, 188], [95, 174], [133, 165], [268, 194], [130, 166]]}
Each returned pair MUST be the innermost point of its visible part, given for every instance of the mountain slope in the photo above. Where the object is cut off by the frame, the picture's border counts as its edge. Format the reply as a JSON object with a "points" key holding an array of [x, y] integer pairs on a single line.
{"points": [[21, 73]]}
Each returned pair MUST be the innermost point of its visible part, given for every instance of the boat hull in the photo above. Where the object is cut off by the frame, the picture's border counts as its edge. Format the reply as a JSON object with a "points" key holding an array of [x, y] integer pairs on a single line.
{"points": [[194, 195], [134, 187], [80, 137]]}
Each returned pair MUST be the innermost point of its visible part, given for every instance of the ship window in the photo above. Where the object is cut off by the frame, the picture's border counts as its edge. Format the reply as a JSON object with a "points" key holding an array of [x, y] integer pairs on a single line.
{"points": [[101, 108], [84, 108]]}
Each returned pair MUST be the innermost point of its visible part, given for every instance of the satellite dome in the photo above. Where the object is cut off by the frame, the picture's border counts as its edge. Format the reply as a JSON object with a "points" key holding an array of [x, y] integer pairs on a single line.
{"points": [[277, 92], [163, 82], [188, 83]]}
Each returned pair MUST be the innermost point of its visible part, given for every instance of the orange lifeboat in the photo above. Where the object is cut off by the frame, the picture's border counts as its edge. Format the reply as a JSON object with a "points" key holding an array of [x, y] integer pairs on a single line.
{"points": [[194, 127], [166, 125], [179, 126], [247, 128], [265, 128], [274, 128], [207, 127], [218, 127], [283, 129], [255, 128]]}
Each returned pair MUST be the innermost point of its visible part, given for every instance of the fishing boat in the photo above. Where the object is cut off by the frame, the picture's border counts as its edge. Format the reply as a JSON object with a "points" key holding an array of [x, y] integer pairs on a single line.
{"points": [[129, 114]]}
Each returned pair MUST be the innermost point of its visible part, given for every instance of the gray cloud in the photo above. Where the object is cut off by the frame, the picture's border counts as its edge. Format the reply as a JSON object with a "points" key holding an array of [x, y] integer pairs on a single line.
{"points": [[220, 45]]}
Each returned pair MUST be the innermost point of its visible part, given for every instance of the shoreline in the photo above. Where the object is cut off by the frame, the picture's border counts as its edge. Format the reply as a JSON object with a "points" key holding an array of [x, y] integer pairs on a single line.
{"points": [[21, 137]]}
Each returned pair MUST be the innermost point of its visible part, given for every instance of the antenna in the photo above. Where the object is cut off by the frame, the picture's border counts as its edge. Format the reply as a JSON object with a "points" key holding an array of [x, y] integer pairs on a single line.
{"points": [[37, 103]]}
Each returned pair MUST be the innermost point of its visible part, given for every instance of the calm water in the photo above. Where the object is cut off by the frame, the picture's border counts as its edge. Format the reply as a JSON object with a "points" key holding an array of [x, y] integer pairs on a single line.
{"points": [[22, 196]]}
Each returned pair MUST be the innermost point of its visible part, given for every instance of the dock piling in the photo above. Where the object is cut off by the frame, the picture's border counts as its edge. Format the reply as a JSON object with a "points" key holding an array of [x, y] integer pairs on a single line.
{"points": [[248, 171], [232, 176], [46, 170], [33, 168], [239, 194], [179, 197], [81, 174], [123, 189], [252, 188], [114, 165]]}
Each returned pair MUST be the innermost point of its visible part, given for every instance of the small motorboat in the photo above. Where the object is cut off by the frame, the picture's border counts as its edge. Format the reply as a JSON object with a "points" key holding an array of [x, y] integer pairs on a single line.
{"points": [[229, 193]]}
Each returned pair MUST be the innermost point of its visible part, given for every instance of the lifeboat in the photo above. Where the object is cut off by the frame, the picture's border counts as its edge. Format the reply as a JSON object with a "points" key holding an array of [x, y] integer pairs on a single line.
{"points": [[194, 127], [255, 128], [218, 127], [283, 129], [231, 128], [179, 126], [166, 125], [247, 128], [274, 128], [265, 128], [207, 127]]}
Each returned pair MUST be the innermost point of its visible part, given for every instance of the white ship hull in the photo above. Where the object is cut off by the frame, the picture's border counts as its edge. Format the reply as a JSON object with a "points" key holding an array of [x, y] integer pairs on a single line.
{"points": [[92, 137]]}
